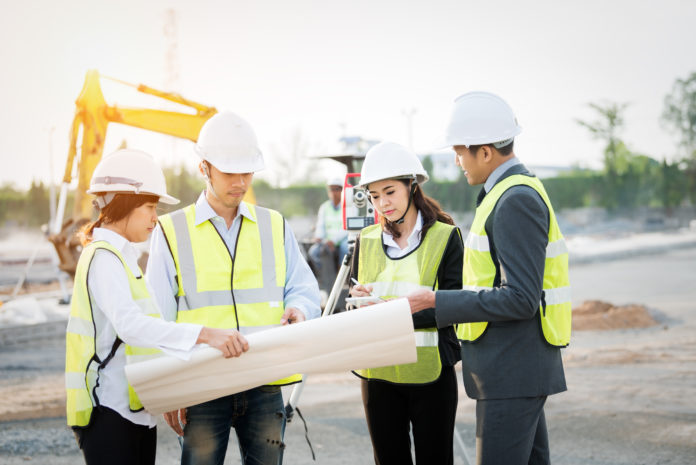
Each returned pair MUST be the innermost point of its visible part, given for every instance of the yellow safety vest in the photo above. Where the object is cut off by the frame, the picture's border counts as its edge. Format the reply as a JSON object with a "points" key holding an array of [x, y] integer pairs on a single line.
{"points": [[479, 269], [245, 291], [333, 221], [397, 277], [82, 364]]}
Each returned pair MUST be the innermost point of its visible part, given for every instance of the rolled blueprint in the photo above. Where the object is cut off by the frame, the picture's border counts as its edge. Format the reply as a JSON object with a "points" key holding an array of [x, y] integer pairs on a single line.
{"points": [[374, 336]]}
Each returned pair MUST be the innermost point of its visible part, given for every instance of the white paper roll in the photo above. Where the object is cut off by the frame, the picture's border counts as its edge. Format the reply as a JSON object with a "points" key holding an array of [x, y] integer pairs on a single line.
{"points": [[373, 336]]}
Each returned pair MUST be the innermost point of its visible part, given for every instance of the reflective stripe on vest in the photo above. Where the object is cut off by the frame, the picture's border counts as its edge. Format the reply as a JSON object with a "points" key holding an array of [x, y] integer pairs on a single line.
{"points": [[479, 269], [397, 278], [218, 290], [81, 363]]}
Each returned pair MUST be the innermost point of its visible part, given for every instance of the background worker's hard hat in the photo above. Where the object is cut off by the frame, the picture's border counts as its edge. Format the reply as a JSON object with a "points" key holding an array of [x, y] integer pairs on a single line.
{"points": [[128, 171], [335, 181], [389, 160], [228, 143], [481, 118]]}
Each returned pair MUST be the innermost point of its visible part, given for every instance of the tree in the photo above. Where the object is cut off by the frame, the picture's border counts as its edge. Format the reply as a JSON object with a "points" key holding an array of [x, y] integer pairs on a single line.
{"points": [[606, 128], [680, 112], [428, 165]]}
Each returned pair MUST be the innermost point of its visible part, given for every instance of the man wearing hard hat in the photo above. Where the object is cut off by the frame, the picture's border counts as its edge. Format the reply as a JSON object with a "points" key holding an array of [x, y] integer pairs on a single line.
{"points": [[229, 264], [513, 313], [328, 232]]}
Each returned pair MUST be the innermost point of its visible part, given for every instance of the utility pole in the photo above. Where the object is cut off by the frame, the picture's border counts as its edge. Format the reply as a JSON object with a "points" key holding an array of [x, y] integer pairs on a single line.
{"points": [[171, 62], [51, 185]]}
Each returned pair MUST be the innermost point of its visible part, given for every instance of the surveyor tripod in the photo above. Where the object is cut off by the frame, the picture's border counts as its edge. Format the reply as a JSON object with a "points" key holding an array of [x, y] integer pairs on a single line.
{"points": [[329, 308]]}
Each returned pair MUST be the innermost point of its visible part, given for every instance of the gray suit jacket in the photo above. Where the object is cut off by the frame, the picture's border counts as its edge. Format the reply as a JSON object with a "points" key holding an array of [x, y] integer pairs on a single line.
{"points": [[512, 359]]}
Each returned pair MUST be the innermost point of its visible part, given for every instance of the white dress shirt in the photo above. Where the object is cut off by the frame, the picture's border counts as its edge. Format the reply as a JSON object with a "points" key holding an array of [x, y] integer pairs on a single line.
{"points": [[394, 250], [301, 288], [116, 313]]}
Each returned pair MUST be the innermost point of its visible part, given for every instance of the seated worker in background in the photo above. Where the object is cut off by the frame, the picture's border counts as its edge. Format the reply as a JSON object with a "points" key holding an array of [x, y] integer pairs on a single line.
{"points": [[329, 235]]}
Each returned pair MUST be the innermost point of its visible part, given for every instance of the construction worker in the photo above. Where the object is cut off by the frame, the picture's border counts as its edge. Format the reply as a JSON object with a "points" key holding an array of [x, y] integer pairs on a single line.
{"points": [[113, 319], [513, 313], [329, 235], [414, 246], [231, 264]]}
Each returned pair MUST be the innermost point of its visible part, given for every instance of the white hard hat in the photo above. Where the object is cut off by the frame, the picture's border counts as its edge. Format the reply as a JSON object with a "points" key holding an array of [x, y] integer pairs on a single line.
{"points": [[481, 118], [389, 160], [228, 143], [335, 181], [129, 171]]}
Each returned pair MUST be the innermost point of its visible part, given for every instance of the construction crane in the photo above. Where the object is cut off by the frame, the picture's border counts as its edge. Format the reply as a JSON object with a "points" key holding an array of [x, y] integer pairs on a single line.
{"points": [[93, 115]]}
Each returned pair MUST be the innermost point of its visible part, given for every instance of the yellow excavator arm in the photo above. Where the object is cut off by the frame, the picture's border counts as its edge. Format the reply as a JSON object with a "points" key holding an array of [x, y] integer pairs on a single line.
{"points": [[93, 115]]}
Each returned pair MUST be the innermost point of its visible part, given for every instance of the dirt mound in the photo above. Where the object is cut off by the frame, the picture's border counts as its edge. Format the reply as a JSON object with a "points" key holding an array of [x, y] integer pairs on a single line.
{"points": [[599, 315]]}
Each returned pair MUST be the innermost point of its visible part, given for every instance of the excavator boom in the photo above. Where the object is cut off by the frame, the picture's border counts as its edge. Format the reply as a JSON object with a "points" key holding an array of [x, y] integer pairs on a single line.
{"points": [[93, 115]]}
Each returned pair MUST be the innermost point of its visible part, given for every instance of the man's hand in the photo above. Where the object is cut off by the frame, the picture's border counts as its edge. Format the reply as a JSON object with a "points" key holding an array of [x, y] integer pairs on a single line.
{"points": [[292, 315], [331, 246], [175, 419], [228, 341], [421, 299]]}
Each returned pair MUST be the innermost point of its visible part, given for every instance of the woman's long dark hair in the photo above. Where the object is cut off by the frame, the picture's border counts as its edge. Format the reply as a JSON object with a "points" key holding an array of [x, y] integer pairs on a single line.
{"points": [[120, 207], [429, 207]]}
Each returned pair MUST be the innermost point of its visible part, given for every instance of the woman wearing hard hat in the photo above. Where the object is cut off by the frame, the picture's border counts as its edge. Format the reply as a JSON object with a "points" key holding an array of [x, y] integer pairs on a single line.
{"points": [[414, 246], [113, 320]]}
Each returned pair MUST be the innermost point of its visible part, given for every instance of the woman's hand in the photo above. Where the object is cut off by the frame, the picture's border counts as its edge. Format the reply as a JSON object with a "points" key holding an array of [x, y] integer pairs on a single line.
{"points": [[360, 291], [228, 341]]}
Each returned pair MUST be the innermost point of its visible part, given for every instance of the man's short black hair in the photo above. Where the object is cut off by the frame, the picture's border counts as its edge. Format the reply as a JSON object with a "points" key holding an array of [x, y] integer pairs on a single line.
{"points": [[504, 151]]}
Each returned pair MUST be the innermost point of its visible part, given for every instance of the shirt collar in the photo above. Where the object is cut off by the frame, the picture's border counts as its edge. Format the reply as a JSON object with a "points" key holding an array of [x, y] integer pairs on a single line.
{"points": [[112, 237], [498, 172], [412, 238], [205, 212]]}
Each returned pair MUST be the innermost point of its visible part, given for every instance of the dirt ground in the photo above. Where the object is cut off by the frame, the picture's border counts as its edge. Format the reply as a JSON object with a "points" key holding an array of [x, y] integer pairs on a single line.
{"points": [[632, 384]]}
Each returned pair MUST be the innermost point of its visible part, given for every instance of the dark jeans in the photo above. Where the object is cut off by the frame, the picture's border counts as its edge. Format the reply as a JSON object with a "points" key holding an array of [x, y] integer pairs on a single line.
{"points": [[511, 432], [258, 417], [392, 409], [110, 439]]}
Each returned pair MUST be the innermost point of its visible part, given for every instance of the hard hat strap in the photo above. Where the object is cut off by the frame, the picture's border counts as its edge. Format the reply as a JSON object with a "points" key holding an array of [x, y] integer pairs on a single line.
{"points": [[104, 200], [412, 190]]}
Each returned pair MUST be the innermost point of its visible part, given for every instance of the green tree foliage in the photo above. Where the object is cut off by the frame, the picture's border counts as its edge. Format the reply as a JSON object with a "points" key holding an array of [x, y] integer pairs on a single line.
{"points": [[607, 128], [183, 185], [679, 114], [30, 208]]}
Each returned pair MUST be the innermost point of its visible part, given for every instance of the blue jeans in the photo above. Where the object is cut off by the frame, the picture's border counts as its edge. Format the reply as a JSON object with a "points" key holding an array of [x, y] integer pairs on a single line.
{"points": [[258, 417]]}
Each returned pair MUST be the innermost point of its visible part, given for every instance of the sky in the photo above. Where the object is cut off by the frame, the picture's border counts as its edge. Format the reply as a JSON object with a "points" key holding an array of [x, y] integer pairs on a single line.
{"points": [[324, 69]]}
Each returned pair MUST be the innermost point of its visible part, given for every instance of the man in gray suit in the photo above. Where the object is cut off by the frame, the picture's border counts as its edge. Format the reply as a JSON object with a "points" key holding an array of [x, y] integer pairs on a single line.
{"points": [[513, 313]]}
